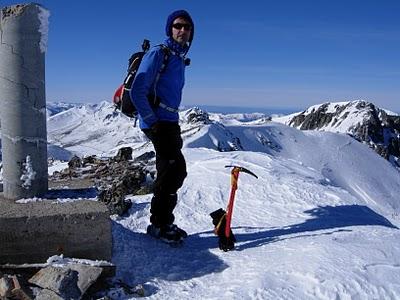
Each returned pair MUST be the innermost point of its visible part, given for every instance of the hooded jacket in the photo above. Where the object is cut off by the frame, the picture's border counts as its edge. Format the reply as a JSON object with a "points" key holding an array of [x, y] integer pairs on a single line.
{"points": [[168, 89], [170, 83]]}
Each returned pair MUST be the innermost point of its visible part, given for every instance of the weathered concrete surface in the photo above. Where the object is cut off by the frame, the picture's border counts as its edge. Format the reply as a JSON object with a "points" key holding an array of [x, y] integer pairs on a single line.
{"points": [[34, 231], [23, 101]]}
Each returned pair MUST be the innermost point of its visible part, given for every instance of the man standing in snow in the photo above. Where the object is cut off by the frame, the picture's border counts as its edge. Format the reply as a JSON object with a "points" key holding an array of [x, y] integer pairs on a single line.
{"points": [[160, 121]]}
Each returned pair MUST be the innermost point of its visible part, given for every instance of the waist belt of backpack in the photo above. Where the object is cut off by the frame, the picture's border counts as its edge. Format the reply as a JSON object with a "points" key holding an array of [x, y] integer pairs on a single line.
{"points": [[168, 108]]}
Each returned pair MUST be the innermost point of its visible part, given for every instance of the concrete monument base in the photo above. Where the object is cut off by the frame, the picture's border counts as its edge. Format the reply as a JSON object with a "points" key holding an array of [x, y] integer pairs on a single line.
{"points": [[32, 232]]}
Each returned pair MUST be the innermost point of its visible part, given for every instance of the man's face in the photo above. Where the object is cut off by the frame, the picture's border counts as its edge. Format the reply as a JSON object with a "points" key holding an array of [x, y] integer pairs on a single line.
{"points": [[181, 31]]}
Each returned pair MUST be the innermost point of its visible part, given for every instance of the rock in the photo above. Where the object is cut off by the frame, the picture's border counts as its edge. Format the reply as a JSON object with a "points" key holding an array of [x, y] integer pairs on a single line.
{"points": [[145, 156], [139, 291], [124, 154], [62, 281], [19, 292], [115, 201], [10, 288], [197, 115], [87, 275], [360, 119], [114, 177], [75, 162], [92, 159], [136, 291], [45, 294], [6, 286], [129, 182]]}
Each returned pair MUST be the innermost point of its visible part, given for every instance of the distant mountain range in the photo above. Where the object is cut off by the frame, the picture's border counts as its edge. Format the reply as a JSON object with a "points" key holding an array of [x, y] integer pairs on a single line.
{"points": [[367, 123], [86, 129]]}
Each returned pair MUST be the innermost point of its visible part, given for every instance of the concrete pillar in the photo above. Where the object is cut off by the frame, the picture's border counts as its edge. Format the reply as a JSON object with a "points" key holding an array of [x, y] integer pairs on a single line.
{"points": [[23, 34]]}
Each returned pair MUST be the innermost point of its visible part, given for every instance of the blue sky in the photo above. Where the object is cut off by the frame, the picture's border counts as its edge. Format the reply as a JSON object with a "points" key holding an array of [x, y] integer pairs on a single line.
{"points": [[281, 54]]}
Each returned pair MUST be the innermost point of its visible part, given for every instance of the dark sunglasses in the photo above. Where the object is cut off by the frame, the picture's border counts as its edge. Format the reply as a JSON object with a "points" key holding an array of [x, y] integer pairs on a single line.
{"points": [[179, 26]]}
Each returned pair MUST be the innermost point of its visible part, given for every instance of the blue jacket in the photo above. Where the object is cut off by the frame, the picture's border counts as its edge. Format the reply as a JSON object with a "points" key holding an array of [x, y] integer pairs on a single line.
{"points": [[168, 89]]}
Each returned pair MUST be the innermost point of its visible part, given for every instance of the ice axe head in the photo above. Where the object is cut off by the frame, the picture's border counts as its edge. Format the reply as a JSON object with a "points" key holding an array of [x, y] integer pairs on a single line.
{"points": [[241, 169]]}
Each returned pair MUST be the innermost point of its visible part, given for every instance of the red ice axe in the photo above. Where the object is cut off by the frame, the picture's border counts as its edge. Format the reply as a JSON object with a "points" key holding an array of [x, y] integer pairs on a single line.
{"points": [[222, 219]]}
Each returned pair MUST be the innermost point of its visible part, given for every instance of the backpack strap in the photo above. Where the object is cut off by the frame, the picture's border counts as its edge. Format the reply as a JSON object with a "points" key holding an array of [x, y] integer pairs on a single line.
{"points": [[167, 54]]}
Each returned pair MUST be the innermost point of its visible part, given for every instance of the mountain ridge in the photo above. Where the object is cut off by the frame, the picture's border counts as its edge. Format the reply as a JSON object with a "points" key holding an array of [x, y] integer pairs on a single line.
{"points": [[365, 122]]}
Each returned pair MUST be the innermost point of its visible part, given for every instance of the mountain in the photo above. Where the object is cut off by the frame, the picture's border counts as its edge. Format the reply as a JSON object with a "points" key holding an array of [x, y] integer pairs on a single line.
{"points": [[53, 108], [376, 127], [92, 129], [320, 222], [100, 130]]}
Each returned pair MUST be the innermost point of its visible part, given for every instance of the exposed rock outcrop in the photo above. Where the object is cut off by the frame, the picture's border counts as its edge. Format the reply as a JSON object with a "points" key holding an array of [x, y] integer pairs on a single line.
{"points": [[362, 120], [115, 177], [197, 115]]}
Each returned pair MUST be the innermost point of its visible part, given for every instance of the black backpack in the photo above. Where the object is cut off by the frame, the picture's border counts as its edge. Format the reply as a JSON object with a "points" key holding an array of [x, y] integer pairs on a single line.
{"points": [[122, 99]]}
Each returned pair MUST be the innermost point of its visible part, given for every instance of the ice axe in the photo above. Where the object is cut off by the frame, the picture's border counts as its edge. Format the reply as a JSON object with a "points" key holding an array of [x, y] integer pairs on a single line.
{"points": [[222, 219]]}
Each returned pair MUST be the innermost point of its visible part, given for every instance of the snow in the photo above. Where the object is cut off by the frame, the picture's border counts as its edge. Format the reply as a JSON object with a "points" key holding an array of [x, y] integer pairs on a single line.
{"points": [[320, 222], [58, 153], [28, 174], [60, 261], [57, 166], [93, 130]]}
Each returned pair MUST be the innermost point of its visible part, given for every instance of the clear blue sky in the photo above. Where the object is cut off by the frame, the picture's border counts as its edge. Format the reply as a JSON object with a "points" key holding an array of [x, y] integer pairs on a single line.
{"points": [[289, 54]]}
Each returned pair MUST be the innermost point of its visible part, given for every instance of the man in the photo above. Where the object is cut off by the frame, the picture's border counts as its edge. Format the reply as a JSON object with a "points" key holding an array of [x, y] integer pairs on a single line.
{"points": [[156, 92]]}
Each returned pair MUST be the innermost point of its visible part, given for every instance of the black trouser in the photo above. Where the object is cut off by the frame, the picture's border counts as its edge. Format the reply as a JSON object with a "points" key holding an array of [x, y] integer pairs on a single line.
{"points": [[171, 171]]}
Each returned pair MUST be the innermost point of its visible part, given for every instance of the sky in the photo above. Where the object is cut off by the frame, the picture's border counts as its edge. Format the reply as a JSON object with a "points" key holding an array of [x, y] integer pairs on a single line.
{"points": [[277, 54]]}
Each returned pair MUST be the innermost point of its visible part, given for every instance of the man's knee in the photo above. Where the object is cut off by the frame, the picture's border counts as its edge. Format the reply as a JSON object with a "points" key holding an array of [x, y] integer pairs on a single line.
{"points": [[179, 170]]}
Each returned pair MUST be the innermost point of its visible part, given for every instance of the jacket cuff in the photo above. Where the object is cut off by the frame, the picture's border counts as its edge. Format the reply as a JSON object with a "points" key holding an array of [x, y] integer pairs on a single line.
{"points": [[150, 119]]}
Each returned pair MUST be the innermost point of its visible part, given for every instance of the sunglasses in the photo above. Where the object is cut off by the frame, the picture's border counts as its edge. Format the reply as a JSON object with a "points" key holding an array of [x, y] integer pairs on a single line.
{"points": [[179, 26]]}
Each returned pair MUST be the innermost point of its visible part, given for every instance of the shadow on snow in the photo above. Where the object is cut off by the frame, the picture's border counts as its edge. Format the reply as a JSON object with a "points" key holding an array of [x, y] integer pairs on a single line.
{"points": [[140, 258], [324, 217]]}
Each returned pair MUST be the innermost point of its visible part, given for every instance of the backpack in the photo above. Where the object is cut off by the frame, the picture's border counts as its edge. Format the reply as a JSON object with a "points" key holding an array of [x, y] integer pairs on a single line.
{"points": [[122, 99]]}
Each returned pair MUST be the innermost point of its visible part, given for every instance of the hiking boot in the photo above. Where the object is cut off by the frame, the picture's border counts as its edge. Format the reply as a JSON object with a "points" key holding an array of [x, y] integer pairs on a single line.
{"points": [[182, 232], [167, 233]]}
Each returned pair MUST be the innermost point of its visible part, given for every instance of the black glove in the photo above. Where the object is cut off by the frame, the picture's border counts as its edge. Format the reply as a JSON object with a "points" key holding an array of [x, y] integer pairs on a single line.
{"points": [[155, 128], [219, 221]]}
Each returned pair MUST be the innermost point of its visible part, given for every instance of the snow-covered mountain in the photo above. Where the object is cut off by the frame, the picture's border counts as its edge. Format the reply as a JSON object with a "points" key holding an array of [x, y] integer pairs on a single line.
{"points": [[379, 128], [99, 129], [53, 108], [320, 222]]}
